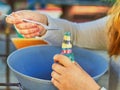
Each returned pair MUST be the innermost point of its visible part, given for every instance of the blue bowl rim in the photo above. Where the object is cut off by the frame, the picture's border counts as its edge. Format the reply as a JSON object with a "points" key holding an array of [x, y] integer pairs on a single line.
{"points": [[48, 81]]}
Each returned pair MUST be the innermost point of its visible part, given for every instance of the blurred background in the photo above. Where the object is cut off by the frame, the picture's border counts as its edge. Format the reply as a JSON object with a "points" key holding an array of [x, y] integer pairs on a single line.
{"points": [[72, 10]]}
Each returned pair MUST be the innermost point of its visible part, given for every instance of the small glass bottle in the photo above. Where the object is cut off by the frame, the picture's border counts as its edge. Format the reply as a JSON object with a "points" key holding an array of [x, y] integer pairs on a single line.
{"points": [[67, 46]]}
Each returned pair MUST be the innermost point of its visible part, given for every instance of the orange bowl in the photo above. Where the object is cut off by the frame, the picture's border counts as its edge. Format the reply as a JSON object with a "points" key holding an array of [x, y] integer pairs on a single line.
{"points": [[25, 42]]}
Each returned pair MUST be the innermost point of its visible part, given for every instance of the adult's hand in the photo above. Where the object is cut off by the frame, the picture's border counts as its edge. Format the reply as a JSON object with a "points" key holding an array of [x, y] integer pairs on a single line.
{"points": [[25, 28]]}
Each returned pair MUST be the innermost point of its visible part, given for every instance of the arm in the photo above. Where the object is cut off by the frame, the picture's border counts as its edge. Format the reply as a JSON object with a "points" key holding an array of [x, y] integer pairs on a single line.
{"points": [[87, 35]]}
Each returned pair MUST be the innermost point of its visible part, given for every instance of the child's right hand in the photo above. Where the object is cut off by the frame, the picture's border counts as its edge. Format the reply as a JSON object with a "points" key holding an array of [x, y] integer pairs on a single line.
{"points": [[25, 28]]}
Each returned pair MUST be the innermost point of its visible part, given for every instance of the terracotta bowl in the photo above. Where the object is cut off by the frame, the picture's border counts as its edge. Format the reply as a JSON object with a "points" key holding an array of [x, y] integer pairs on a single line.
{"points": [[25, 42]]}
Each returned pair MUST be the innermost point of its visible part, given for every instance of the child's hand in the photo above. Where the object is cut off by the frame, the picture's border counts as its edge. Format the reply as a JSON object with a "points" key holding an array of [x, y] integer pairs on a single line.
{"points": [[70, 76]]}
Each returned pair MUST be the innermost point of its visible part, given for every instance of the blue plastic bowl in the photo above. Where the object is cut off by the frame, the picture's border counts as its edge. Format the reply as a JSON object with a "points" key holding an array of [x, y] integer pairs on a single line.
{"points": [[32, 65]]}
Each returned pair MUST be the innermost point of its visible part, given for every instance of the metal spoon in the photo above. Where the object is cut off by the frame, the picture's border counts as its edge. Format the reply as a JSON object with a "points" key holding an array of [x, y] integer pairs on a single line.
{"points": [[45, 26]]}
